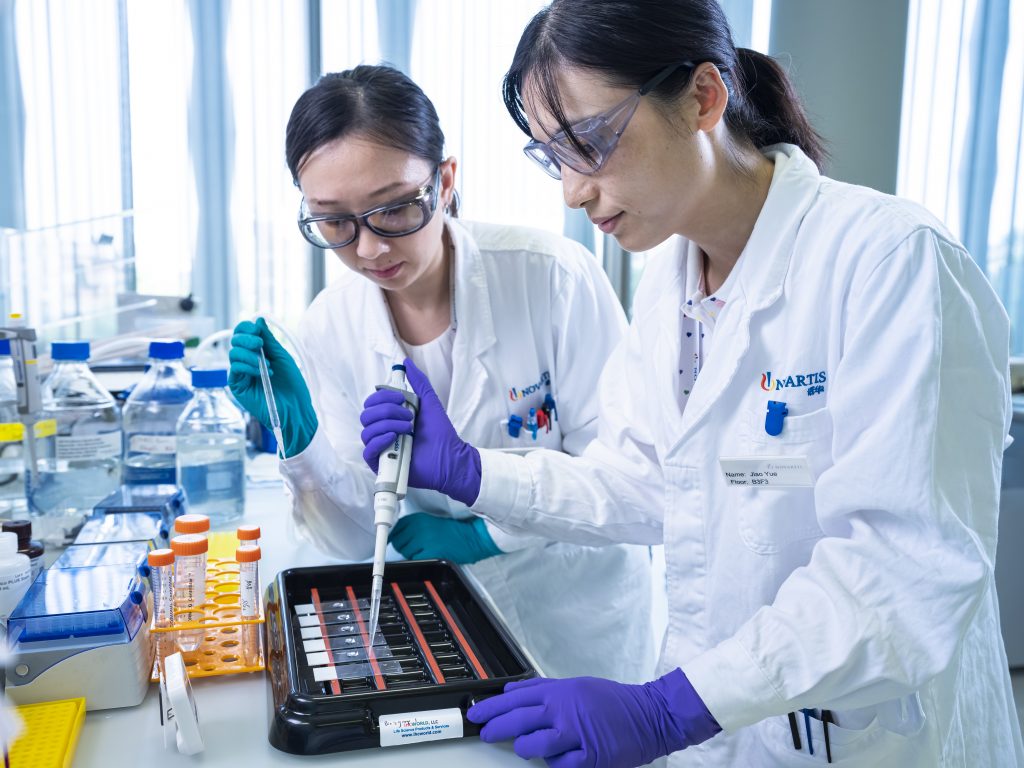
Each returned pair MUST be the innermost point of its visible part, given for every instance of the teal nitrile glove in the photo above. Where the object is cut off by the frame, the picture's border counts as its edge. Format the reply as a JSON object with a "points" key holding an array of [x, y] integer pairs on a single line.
{"points": [[294, 404], [423, 537]]}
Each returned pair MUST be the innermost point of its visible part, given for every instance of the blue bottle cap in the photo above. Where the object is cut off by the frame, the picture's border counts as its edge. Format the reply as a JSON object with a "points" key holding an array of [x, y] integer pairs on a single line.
{"points": [[5, 346], [398, 367], [209, 378], [70, 350], [167, 350]]}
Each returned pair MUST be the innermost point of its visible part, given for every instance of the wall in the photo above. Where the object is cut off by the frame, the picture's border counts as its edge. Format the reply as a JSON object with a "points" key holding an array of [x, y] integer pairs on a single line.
{"points": [[847, 58]]}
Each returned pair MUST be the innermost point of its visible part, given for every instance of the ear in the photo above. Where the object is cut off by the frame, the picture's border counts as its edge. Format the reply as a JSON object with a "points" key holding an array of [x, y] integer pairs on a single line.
{"points": [[712, 96], [448, 168]]}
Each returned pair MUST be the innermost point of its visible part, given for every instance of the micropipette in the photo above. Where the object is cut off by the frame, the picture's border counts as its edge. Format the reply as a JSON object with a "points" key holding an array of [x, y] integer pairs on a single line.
{"points": [[392, 483], [268, 392]]}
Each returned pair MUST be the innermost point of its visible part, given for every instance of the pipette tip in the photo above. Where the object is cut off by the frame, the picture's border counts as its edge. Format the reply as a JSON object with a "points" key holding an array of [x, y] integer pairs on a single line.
{"points": [[375, 592]]}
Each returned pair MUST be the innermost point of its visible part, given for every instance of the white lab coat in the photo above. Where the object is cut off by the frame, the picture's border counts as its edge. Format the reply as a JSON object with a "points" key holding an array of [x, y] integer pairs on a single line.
{"points": [[530, 307], [870, 593]]}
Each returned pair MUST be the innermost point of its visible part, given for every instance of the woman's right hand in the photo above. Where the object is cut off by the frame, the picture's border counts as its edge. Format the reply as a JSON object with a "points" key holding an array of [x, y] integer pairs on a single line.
{"points": [[294, 404], [441, 460]]}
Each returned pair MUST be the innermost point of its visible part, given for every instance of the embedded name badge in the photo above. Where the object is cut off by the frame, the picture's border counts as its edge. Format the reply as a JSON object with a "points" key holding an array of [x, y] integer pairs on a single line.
{"points": [[412, 727], [767, 471]]}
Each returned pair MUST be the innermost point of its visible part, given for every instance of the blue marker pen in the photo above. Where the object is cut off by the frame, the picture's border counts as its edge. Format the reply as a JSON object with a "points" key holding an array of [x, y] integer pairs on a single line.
{"points": [[777, 412], [531, 422]]}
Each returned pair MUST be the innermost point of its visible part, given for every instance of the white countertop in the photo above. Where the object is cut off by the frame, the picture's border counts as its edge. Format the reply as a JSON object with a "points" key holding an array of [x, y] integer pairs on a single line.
{"points": [[234, 709]]}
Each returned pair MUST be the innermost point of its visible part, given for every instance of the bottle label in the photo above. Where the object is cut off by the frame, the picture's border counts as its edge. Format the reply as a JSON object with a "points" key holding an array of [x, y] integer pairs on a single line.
{"points": [[89, 447], [11, 433], [142, 443], [14, 432], [14, 580]]}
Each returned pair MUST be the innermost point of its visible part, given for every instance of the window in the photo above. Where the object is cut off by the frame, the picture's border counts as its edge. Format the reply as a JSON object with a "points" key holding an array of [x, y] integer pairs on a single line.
{"points": [[962, 133], [78, 254], [162, 175], [268, 68], [153, 147], [461, 51]]}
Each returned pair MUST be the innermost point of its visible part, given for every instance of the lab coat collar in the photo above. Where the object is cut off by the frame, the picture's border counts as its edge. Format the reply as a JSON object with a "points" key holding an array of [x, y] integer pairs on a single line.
{"points": [[472, 298], [767, 255], [474, 333], [763, 266]]}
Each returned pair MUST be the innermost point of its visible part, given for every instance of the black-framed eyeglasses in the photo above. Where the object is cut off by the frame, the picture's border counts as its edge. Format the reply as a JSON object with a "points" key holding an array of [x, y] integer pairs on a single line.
{"points": [[331, 230], [598, 135]]}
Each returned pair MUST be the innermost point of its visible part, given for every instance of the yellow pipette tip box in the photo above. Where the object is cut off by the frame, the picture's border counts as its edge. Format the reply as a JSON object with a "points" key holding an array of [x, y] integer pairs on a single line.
{"points": [[50, 734]]}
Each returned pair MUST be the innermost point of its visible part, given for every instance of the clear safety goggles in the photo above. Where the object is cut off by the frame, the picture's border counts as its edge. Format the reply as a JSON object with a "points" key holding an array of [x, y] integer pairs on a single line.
{"points": [[330, 230], [598, 135]]}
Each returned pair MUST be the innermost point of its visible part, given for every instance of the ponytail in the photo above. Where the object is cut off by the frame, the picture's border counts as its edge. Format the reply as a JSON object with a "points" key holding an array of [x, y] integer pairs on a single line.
{"points": [[768, 109]]}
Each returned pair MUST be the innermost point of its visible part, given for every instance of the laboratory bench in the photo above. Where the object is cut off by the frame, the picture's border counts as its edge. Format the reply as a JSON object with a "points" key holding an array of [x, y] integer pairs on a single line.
{"points": [[233, 709]]}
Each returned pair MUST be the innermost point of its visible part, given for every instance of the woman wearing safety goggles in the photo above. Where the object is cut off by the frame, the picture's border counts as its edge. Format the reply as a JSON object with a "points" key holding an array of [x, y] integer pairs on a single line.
{"points": [[494, 315], [809, 410]]}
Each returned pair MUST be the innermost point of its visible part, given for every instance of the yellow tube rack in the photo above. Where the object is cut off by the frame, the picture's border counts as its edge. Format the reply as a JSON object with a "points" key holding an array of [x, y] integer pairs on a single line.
{"points": [[230, 644]]}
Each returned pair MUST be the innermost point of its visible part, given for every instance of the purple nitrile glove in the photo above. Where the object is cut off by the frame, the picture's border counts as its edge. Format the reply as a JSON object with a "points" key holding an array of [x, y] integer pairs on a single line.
{"points": [[587, 721], [441, 460]]}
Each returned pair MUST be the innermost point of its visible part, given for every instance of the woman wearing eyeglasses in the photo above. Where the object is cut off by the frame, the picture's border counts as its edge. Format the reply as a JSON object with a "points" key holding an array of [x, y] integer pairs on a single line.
{"points": [[809, 410], [505, 321]]}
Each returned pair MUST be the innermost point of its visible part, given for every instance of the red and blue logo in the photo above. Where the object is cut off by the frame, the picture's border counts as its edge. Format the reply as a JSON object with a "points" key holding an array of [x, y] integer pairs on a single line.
{"points": [[771, 383], [518, 394]]}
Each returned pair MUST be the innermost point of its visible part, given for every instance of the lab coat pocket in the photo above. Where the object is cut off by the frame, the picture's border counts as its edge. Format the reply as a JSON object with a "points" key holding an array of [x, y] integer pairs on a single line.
{"points": [[773, 518], [525, 442], [872, 745]]}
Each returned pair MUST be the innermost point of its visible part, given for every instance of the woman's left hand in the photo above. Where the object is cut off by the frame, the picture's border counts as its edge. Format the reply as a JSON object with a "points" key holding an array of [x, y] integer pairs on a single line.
{"points": [[587, 721], [422, 537]]}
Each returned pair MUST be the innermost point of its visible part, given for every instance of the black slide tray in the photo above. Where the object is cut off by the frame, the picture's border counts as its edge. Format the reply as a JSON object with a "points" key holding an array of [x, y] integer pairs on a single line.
{"points": [[308, 718]]}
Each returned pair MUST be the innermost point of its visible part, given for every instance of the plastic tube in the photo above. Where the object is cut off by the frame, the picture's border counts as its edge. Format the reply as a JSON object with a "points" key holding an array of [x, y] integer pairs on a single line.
{"points": [[189, 585], [268, 394], [279, 330], [161, 576], [210, 340], [248, 558]]}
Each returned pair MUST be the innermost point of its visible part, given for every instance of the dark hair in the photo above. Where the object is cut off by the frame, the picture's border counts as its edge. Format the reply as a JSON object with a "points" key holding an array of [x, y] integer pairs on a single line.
{"points": [[630, 41], [375, 101]]}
